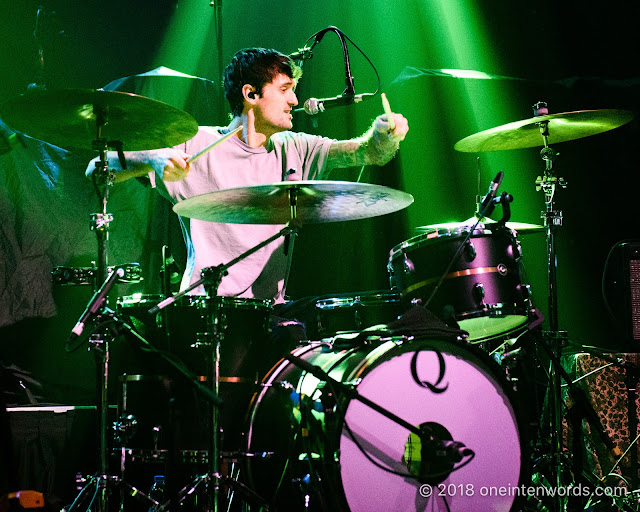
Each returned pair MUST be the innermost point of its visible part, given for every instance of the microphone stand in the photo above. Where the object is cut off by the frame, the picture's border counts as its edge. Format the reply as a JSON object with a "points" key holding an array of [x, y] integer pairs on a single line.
{"points": [[424, 434], [101, 481], [211, 276], [350, 89], [351, 393]]}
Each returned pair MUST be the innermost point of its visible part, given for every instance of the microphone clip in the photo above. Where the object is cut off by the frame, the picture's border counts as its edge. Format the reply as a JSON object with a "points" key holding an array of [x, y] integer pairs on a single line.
{"points": [[302, 54]]}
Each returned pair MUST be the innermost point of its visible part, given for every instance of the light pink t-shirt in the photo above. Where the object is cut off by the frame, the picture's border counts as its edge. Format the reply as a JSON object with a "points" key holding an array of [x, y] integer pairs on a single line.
{"points": [[235, 164]]}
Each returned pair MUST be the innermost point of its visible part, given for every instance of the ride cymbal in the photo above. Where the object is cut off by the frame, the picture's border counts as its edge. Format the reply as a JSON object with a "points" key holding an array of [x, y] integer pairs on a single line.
{"points": [[69, 118], [316, 202], [561, 128]]}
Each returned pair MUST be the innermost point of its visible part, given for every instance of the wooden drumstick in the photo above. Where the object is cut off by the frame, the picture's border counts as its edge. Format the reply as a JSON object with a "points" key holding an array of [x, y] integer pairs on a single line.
{"points": [[214, 144], [387, 110]]}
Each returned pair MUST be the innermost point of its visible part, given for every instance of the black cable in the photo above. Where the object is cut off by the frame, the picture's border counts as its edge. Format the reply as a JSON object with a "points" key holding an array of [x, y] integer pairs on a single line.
{"points": [[451, 262], [367, 59]]}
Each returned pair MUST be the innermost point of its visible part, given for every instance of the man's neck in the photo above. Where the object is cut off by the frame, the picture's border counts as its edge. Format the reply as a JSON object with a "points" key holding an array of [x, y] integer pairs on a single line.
{"points": [[251, 135]]}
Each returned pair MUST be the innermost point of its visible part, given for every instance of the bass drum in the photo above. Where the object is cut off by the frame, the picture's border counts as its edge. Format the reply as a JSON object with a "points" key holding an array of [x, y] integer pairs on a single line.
{"points": [[348, 457], [482, 289]]}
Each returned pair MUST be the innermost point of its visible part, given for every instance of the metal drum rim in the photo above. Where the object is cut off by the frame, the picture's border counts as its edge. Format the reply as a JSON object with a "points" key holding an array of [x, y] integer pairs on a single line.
{"points": [[421, 239]]}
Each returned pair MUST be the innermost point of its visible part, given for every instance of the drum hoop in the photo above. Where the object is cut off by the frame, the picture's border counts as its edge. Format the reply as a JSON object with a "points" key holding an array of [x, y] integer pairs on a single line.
{"points": [[356, 300], [135, 299], [430, 237], [228, 302], [127, 301], [128, 377]]}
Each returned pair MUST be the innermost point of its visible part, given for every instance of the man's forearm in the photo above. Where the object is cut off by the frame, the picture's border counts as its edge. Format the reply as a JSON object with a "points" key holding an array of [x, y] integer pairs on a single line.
{"points": [[372, 148], [138, 165]]}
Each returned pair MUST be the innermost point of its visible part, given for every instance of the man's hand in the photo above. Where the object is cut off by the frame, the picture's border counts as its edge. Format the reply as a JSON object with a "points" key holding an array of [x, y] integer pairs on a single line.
{"points": [[173, 161], [399, 131]]}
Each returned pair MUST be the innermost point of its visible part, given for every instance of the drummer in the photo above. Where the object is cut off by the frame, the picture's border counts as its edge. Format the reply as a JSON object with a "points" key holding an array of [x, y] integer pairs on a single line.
{"points": [[260, 87]]}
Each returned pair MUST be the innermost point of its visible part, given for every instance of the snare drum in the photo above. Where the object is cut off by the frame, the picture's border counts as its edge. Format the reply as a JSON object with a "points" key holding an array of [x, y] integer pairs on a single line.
{"points": [[349, 457], [482, 289]]}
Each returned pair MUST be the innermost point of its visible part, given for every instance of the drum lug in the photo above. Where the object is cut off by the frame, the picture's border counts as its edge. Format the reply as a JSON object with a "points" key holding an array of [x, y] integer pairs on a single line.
{"points": [[124, 429], [478, 293], [470, 251], [517, 251], [525, 291], [407, 265]]}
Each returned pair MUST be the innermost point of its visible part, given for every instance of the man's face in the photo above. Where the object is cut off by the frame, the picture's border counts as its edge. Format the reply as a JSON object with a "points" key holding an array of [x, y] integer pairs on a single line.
{"points": [[274, 105]]}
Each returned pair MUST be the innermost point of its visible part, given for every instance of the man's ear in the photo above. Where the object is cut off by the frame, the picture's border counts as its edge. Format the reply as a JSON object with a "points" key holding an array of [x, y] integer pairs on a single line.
{"points": [[249, 93]]}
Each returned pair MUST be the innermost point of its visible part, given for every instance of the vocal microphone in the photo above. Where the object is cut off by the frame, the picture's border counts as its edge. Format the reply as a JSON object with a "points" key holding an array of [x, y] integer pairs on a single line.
{"points": [[313, 106], [490, 195], [96, 301]]}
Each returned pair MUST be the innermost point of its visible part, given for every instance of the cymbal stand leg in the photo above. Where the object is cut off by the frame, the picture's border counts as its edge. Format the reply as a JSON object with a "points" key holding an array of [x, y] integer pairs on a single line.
{"points": [[554, 338], [212, 339], [217, 333]]}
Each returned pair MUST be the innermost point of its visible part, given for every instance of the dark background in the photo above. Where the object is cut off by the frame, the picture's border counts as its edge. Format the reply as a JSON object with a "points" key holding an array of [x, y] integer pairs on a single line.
{"points": [[574, 55]]}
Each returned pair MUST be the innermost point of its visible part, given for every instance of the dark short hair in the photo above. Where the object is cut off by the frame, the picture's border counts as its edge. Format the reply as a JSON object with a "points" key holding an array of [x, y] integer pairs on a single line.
{"points": [[257, 67]]}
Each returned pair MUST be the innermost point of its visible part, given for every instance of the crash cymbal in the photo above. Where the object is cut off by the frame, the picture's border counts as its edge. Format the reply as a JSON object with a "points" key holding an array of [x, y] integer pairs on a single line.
{"points": [[520, 227], [561, 127], [317, 201], [67, 118]]}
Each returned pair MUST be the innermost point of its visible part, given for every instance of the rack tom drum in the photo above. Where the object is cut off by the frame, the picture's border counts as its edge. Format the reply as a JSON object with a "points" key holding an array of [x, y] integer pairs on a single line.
{"points": [[479, 282]]}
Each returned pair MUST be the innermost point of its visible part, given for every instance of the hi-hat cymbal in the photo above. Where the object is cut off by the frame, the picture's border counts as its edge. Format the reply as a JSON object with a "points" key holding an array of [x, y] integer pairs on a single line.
{"points": [[520, 227], [561, 128], [316, 201], [68, 118]]}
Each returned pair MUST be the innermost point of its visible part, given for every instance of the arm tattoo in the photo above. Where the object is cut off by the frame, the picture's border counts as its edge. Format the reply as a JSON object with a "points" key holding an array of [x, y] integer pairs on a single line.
{"points": [[370, 149]]}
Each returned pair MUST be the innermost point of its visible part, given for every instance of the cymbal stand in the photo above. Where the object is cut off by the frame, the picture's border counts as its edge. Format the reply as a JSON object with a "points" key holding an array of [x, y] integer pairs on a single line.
{"points": [[211, 278], [103, 180], [554, 338]]}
